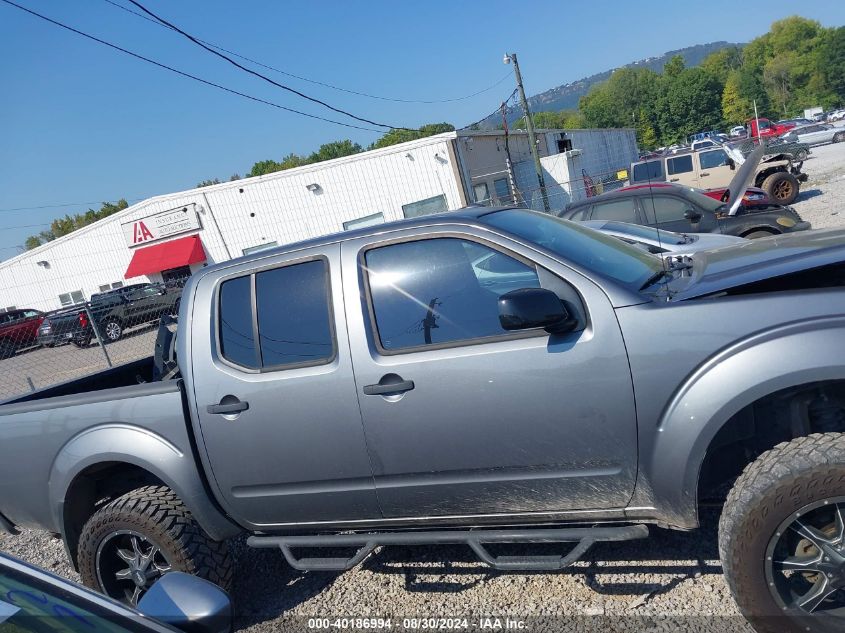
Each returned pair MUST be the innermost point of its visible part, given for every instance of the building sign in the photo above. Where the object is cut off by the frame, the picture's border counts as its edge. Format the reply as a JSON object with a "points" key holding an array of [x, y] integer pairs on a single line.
{"points": [[161, 225]]}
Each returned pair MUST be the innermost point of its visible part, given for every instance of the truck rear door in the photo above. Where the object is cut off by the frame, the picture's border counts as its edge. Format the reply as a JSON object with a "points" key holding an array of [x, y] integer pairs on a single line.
{"points": [[275, 394], [463, 418]]}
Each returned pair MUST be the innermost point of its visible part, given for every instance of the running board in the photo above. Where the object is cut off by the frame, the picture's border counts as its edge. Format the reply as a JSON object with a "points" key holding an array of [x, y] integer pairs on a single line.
{"points": [[476, 539]]}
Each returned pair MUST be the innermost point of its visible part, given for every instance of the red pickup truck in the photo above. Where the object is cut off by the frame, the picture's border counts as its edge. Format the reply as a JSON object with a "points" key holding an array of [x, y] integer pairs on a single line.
{"points": [[767, 128], [18, 328]]}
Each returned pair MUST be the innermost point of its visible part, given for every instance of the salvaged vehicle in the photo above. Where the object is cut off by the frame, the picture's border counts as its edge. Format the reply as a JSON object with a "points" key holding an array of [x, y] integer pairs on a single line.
{"points": [[660, 241], [684, 210], [483, 376], [18, 328], [776, 173]]}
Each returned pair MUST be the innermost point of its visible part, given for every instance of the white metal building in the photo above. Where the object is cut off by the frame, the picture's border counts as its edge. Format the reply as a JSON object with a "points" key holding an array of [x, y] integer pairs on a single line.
{"points": [[174, 234]]}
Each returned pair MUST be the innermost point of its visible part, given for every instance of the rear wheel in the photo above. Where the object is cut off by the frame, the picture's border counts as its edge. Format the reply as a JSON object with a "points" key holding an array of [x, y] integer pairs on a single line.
{"points": [[131, 542], [801, 154], [7, 349], [782, 537], [112, 330], [839, 137], [782, 187], [83, 342]]}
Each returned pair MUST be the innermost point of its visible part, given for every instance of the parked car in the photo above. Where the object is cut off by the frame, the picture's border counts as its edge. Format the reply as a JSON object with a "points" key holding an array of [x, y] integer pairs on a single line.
{"points": [[114, 311], [766, 128], [796, 122], [18, 329], [610, 392], [738, 131], [836, 115], [777, 174], [33, 599], [684, 210], [661, 242], [703, 144], [816, 134]]}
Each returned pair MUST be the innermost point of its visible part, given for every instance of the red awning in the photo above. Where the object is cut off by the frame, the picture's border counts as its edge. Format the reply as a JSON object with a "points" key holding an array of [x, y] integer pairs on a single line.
{"points": [[172, 254]]}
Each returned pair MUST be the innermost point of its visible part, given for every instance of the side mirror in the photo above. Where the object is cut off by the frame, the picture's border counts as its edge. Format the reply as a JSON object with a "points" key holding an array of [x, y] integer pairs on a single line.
{"points": [[528, 308], [692, 215], [188, 603]]}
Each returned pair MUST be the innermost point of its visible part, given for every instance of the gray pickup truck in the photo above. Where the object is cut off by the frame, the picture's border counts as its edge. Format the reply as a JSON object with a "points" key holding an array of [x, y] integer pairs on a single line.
{"points": [[478, 377]]}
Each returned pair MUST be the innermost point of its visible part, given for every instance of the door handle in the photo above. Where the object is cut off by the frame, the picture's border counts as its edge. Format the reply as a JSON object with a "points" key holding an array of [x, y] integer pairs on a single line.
{"points": [[380, 389], [232, 407], [705, 173], [674, 179]]}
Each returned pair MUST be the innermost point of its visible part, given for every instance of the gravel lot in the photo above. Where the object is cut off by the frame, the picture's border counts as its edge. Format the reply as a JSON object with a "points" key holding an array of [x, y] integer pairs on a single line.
{"points": [[672, 580]]}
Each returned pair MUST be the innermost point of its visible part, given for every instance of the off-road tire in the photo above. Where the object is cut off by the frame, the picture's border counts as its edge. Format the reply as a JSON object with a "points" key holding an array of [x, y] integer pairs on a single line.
{"points": [[782, 187], [774, 486], [839, 137], [159, 515]]}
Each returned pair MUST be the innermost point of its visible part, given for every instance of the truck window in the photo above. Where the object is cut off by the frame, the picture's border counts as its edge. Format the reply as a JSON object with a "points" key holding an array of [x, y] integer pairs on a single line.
{"points": [[713, 158], [679, 164], [294, 316], [643, 172], [237, 342], [439, 291]]}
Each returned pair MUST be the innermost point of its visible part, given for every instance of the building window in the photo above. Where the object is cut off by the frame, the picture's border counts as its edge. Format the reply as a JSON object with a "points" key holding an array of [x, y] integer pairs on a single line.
{"points": [[564, 145], [259, 248], [71, 298], [482, 193], [503, 191], [105, 288], [359, 223], [437, 204], [117, 284]]}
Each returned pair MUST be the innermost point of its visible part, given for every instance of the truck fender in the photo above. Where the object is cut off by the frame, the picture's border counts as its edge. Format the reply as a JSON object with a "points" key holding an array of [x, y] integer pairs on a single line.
{"points": [[789, 355], [129, 444]]}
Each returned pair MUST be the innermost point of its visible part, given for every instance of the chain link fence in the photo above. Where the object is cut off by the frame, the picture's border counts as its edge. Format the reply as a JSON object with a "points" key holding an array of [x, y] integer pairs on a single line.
{"points": [[39, 349]]}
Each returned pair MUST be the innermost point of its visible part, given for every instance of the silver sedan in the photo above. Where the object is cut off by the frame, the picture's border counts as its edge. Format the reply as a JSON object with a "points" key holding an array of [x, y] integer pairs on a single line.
{"points": [[816, 134], [659, 241]]}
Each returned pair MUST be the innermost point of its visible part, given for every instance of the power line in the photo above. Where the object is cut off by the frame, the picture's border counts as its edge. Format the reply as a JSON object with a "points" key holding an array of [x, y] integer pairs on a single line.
{"points": [[63, 204], [314, 81], [188, 75], [481, 120], [265, 77]]}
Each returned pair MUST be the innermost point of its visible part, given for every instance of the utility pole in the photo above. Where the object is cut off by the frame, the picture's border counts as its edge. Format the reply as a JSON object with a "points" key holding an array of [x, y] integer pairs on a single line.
{"points": [[529, 124]]}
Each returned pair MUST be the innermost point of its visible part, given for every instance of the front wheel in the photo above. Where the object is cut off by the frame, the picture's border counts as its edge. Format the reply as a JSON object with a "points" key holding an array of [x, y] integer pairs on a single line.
{"points": [[839, 137], [753, 235], [132, 541], [782, 537], [782, 187], [801, 154]]}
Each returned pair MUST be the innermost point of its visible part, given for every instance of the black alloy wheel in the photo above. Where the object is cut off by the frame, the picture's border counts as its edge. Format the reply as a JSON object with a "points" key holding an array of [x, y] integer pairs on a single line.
{"points": [[128, 563]]}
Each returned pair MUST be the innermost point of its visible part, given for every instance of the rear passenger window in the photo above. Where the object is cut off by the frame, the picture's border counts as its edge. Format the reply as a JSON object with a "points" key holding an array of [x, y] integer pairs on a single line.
{"points": [[237, 342], [293, 317], [294, 324], [620, 210], [440, 291], [644, 172], [679, 164]]}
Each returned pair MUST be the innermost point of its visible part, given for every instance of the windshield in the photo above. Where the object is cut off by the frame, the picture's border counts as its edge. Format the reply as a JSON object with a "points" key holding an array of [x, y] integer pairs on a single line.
{"points": [[589, 249]]}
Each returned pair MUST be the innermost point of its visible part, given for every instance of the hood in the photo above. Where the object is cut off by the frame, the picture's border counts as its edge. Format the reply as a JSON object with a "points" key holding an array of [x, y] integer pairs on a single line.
{"points": [[756, 260], [743, 177]]}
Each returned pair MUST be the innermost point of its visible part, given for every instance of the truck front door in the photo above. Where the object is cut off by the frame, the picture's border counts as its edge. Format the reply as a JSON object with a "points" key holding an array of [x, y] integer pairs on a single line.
{"points": [[275, 394], [714, 169], [680, 169], [464, 418]]}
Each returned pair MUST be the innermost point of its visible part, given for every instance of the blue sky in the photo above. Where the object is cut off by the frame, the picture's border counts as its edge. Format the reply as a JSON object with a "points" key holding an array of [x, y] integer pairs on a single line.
{"points": [[84, 123]]}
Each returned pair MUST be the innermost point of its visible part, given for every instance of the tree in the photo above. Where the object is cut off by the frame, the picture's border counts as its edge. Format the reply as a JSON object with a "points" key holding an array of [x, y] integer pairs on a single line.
{"points": [[627, 99], [263, 167], [831, 61], [777, 75], [208, 183], [721, 63], [335, 149], [691, 103], [33, 241], [70, 223], [736, 107], [294, 160], [674, 67], [553, 120], [394, 137]]}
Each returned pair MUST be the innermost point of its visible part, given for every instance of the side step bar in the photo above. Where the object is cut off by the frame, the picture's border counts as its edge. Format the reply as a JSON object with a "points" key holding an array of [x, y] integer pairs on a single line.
{"points": [[476, 539]]}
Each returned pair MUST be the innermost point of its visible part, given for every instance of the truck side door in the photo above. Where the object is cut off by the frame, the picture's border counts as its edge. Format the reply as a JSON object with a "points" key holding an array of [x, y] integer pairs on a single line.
{"points": [[680, 169], [275, 394], [714, 169], [464, 418]]}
